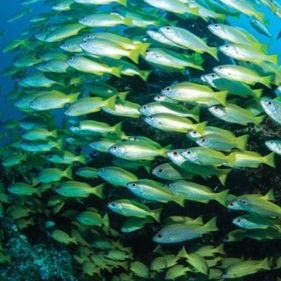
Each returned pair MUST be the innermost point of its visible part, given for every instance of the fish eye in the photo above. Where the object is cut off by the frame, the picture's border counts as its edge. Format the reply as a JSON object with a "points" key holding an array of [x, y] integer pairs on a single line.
{"points": [[133, 184], [150, 117], [203, 140], [114, 147], [160, 170], [113, 204], [238, 220], [168, 28], [144, 107], [88, 35], [216, 25], [244, 202], [168, 89], [159, 235], [213, 75], [220, 67], [101, 169], [188, 151], [175, 153], [269, 103], [71, 59], [226, 46]]}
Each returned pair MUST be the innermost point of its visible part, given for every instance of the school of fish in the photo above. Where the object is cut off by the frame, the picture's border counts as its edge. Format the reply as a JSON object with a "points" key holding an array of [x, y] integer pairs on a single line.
{"points": [[149, 131]]}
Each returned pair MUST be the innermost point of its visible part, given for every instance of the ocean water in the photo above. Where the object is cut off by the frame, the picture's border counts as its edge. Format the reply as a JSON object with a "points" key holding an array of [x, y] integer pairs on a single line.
{"points": [[13, 30], [137, 246]]}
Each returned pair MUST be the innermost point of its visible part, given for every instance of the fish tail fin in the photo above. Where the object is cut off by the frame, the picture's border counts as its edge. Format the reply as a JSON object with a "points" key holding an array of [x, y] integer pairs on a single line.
{"points": [[123, 2], [134, 55], [211, 225], [118, 129], [269, 160], [147, 166], [116, 71], [142, 48], [223, 176], [267, 80], [156, 214], [257, 93], [269, 195], [221, 96], [196, 111], [179, 200], [274, 59], [74, 97], [266, 264], [144, 74], [259, 119], [242, 142], [122, 96], [128, 22], [214, 52], [54, 133], [222, 196], [59, 144], [105, 221], [200, 127], [82, 159], [68, 172], [98, 191], [110, 103]]}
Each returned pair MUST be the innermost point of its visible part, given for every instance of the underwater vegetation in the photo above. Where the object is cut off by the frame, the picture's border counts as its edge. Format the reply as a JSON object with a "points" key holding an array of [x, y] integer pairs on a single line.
{"points": [[149, 147]]}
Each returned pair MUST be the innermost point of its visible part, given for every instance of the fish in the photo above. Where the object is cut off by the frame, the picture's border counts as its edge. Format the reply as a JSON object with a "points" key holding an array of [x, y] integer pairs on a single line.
{"points": [[89, 105], [134, 224], [56, 100], [90, 217], [172, 61], [130, 208], [87, 65], [170, 108], [104, 20], [181, 124], [222, 143], [50, 175], [194, 93], [207, 156], [23, 189], [87, 172], [246, 53], [253, 221], [251, 159], [274, 146], [272, 108], [102, 2], [116, 176], [154, 191], [106, 48], [255, 204], [247, 267], [243, 74], [141, 150], [234, 34], [187, 40], [178, 233], [62, 237], [76, 189], [235, 114], [260, 27], [196, 192], [244, 7]]}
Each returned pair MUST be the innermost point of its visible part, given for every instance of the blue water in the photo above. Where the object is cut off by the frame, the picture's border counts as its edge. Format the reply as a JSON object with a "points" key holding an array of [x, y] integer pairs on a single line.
{"points": [[13, 31]]}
